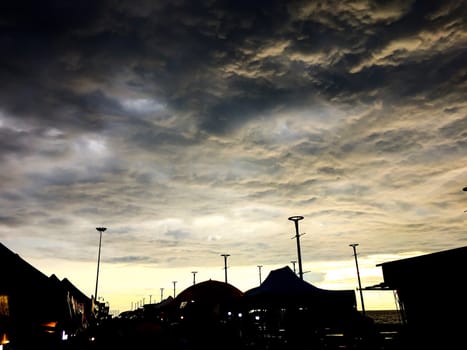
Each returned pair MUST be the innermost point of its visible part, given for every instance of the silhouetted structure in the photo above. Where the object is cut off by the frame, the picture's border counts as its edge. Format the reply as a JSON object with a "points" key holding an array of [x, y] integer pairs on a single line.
{"points": [[285, 309], [100, 230], [36, 309], [225, 266], [296, 219], [354, 247], [432, 298], [207, 314]]}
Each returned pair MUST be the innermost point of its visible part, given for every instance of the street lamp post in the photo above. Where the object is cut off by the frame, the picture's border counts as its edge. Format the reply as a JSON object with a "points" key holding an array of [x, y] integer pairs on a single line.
{"points": [[174, 282], [354, 247], [225, 265], [259, 271], [194, 278], [296, 219], [100, 230]]}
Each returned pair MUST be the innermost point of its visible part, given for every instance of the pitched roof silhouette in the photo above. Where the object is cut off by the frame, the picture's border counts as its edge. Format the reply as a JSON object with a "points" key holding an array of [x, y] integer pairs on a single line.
{"points": [[32, 295], [284, 281], [19, 272], [283, 286]]}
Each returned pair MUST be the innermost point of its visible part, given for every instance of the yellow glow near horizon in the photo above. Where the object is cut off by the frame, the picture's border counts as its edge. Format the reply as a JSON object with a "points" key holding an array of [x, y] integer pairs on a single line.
{"points": [[124, 286]]}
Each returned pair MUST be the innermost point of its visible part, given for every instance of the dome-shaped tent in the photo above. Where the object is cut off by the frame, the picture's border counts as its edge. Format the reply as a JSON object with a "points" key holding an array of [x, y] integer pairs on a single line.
{"points": [[210, 290], [206, 314], [207, 301]]}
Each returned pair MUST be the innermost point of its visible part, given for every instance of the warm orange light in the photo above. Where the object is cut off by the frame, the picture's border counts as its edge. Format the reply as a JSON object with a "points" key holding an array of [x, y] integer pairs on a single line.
{"points": [[4, 308], [4, 339], [50, 324]]}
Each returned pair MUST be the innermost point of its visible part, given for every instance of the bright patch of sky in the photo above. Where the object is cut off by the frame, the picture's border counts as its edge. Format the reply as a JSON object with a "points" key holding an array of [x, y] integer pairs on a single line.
{"points": [[142, 105]]}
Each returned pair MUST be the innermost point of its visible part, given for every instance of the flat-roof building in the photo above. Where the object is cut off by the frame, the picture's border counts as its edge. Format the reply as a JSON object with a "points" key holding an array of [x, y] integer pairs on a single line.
{"points": [[432, 295]]}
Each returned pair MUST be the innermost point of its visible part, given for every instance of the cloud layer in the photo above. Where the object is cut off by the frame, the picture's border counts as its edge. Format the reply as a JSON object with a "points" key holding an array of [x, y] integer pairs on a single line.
{"points": [[191, 129]]}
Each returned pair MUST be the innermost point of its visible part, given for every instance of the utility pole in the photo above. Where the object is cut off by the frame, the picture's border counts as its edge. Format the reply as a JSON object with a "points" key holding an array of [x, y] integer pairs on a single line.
{"points": [[354, 247], [194, 274], [296, 219], [225, 265]]}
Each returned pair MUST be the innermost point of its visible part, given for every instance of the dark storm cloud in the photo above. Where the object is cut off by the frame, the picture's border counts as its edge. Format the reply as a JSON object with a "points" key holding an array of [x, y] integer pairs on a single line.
{"points": [[150, 138], [12, 142], [34, 37], [48, 45]]}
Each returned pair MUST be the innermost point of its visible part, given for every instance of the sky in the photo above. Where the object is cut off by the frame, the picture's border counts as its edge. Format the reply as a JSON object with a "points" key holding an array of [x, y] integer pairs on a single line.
{"points": [[192, 129]]}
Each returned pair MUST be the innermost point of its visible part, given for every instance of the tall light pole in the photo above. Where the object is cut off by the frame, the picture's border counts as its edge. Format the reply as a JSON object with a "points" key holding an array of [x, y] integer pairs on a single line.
{"points": [[354, 247], [100, 230], [259, 270], [194, 278], [296, 219], [174, 282], [225, 265]]}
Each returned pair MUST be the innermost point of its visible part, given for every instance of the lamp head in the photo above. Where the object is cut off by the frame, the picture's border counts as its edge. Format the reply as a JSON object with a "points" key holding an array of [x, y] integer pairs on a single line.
{"points": [[296, 218]]}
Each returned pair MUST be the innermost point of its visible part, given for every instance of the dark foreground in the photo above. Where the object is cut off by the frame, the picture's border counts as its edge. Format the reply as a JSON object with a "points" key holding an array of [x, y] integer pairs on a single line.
{"points": [[122, 334], [140, 334]]}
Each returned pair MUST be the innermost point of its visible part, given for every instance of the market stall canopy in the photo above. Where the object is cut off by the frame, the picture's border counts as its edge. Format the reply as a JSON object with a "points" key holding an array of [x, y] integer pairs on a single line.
{"points": [[284, 286], [210, 290]]}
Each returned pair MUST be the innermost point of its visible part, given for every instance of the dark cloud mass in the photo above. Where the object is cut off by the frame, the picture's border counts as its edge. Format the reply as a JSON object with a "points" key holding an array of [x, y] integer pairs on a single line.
{"points": [[198, 127], [222, 62]]}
